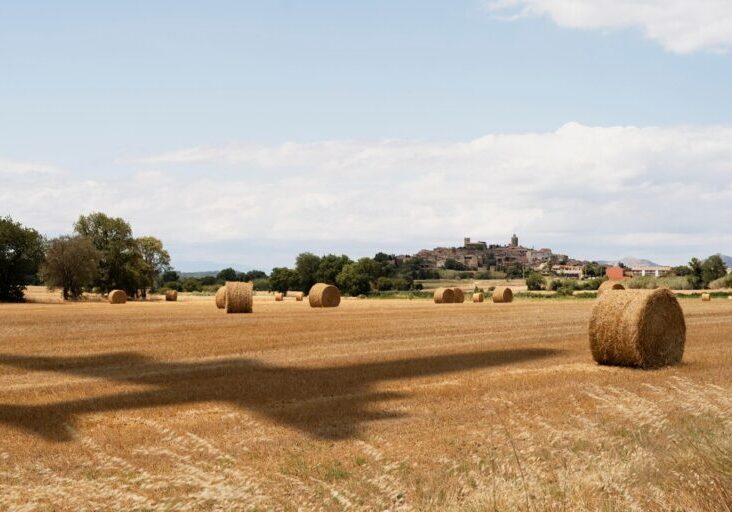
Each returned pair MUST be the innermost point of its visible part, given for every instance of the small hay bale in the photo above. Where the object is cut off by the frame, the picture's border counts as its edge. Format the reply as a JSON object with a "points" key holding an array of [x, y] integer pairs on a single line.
{"points": [[609, 285], [444, 296], [279, 297], [117, 297], [171, 295], [459, 295], [323, 295], [502, 294], [221, 297], [239, 297], [298, 295], [478, 297], [640, 328], [705, 297]]}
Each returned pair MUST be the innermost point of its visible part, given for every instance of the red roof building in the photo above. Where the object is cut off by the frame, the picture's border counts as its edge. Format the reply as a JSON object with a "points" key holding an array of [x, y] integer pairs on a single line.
{"points": [[614, 273]]}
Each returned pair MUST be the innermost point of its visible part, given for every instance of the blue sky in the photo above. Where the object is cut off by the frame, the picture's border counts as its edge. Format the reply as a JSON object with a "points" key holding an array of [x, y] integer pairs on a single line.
{"points": [[244, 132]]}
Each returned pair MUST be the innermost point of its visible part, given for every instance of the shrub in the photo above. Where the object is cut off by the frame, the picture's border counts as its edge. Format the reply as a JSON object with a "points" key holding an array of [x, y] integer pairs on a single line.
{"points": [[534, 281], [21, 252], [191, 284]]}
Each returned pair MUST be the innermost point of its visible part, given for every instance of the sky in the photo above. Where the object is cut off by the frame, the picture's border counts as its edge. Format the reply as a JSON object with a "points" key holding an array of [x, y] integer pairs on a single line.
{"points": [[243, 133]]}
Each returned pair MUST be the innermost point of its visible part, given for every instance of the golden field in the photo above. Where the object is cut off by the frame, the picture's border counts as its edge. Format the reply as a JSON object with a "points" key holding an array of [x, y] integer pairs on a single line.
{"points": [[375, 405]]}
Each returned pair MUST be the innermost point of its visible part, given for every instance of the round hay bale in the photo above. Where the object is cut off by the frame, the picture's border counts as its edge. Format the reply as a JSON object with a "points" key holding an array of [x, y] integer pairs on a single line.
{"points": [[171, 295], [502, 294], [239, 297], [478, 297], [221, 297], [640, 328], [706, 297], [117, 297], [459, 295], [609, 285], [444, 296], [279, 297], [298, 296], [323, 295]]}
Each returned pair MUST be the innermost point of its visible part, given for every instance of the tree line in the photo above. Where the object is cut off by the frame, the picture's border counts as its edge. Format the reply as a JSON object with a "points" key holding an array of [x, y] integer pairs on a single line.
{"points": [[101, 255]]}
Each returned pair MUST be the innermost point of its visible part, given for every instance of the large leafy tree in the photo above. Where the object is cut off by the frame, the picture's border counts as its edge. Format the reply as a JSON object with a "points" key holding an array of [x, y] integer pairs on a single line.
{"points": [[21, 252], [120, 264], [695, 276], [307, 265], [155, 261], [283, 279], [71, 264], [713, 268], [355, 278], [227, 274], [330, 266]]}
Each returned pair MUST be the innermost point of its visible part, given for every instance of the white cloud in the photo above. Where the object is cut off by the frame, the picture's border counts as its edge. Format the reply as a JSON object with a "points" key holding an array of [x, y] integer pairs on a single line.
{"points": [[14, 167], [611, 190], [680, 26]]}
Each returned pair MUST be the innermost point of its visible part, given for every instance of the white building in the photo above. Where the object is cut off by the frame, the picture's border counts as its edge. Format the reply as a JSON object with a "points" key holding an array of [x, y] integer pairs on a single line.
{"points": [[650, 271]]}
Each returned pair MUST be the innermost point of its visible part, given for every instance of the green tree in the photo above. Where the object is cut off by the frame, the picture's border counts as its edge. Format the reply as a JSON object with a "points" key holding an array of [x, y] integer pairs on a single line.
{"points": [[695, 276], [21, 252], [329, 268], [354, 279], [283, 279], [120, 264], [307, 265], [227, 274], [170, 276], [452, 264], [191, 284], [681, 271], [534, 281], [70, 264], [594, 270], [253, 275], [713, 268], [154, 261]]}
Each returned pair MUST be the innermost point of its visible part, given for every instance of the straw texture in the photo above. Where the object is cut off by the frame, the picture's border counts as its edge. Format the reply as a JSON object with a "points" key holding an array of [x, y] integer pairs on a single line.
{"points": [[444, 296], [221, 297], [640, 328], [323, 295], [239, 297], [478, 297], [609, 285], [459, 295], [171, 295], [117, 297], [502, 294]]}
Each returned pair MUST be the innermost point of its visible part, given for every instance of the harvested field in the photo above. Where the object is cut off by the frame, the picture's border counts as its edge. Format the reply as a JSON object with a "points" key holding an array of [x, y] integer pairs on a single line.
{"points": [[388, 405]]}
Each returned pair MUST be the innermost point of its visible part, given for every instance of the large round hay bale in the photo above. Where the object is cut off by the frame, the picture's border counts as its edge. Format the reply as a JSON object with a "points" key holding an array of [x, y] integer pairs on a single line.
{"points": [[609, 285], [298, 295], [706, 297], [502, 294], [279, 297], [478, 297], [458, 294], [323, 295], [641, 328], [444, 296], [239, 297], [171, 295], [221, 297], [117, 297]]}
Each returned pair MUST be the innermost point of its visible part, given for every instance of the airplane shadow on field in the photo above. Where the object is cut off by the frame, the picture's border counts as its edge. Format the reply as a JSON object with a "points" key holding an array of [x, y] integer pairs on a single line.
{"points": [[325, 402]]}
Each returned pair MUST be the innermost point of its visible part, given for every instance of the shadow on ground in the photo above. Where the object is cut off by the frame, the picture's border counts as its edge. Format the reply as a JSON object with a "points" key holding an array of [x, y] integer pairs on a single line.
{"points": [[325, 402]]}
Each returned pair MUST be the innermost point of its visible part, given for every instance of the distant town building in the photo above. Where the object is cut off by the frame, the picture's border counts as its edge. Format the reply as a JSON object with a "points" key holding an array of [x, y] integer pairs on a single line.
{"points": [[615, 273], [569, 271], [650, 271], [476, 255]]}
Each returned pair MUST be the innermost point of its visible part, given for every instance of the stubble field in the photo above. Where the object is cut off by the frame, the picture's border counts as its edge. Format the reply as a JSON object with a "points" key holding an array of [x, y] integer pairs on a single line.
{"points": [[376, 405]]}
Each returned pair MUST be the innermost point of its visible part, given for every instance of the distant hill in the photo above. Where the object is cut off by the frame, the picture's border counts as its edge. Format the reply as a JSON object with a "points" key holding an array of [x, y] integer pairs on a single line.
{"points": [[727, 260], [630, 261], [204, 273]]}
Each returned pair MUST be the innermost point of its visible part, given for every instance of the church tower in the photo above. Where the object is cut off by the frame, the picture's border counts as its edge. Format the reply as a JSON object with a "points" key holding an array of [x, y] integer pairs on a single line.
{"points": [[514, 240]]}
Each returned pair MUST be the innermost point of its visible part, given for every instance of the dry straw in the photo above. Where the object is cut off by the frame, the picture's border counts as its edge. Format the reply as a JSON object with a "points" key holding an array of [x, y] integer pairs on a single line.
{"points": [[459, 295], [171, 295], [239, 297], [117, 297], [298, 295], [641, 328], [502, 294], [221, 297], [478, 297], [706, 297], [323, 295], [444, 296], [279, 297], [609, 285]]}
